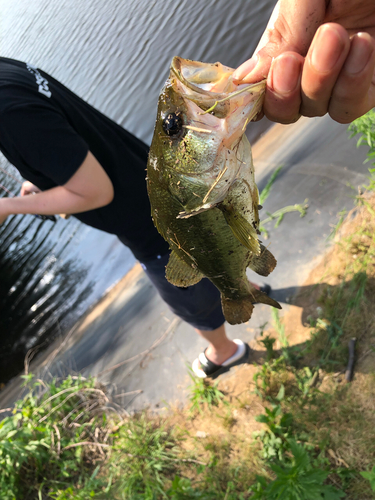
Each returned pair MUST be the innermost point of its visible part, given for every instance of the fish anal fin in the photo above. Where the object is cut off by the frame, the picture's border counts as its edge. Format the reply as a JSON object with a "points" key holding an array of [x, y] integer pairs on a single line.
{"points": [[179, 273], [264, 263], [237, 311]]}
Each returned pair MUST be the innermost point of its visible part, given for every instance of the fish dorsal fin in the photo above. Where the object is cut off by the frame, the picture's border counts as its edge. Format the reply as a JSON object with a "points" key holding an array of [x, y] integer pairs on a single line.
{"points": [[179, 273], [264, 263], [241, 228]]}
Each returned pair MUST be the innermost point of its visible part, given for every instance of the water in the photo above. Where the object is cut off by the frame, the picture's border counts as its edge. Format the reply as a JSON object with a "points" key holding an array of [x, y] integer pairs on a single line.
{"points": [[115, 55]]}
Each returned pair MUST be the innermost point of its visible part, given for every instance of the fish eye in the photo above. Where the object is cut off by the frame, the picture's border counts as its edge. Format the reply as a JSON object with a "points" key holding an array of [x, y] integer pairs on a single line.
{"points": [[172, 123]]}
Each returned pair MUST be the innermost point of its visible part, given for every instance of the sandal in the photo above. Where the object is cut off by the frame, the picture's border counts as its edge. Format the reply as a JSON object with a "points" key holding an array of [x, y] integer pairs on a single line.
{"points": [[203, 367]]}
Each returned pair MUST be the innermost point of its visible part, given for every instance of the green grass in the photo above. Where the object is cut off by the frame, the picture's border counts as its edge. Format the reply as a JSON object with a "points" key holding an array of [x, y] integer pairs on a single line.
{"points": [[365, 127], [279, 214], [39, 456], [267, 188], [203, 393]]}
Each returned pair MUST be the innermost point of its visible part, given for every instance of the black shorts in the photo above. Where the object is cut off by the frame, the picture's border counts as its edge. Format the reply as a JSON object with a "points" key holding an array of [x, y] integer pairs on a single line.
{"points": [[199, 305]]}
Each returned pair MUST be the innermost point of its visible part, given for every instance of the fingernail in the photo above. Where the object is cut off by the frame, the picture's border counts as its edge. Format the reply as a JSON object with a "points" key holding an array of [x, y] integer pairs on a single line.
{"points": [[326, 51], [245, 69], [284, 74], [359, 55]]}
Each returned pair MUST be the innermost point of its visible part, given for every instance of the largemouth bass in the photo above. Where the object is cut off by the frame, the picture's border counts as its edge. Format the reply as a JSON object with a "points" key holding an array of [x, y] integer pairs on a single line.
{"points": [[200, 181]]}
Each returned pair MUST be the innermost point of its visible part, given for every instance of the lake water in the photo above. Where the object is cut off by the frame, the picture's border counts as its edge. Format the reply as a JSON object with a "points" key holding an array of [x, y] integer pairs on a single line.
{"points": [[115, 55]]}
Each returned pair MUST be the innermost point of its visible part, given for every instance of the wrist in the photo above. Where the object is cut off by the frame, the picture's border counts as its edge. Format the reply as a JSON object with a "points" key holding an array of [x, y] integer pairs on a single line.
{"points": [[4, 211], [4, 205]]}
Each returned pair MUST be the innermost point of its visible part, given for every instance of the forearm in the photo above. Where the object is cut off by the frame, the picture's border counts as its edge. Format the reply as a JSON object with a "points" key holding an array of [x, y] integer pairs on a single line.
{"points": [[89, 188], [53, 201]]}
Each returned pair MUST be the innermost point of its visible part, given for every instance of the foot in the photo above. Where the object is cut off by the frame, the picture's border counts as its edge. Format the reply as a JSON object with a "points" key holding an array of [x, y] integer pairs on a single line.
{"points": [[264, 288], [220, 356], [204, 367]]}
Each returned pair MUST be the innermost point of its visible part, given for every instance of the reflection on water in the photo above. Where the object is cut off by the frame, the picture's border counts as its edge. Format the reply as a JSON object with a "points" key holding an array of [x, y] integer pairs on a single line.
{"points": [[48, 278], [116, 55], [38, 289]]}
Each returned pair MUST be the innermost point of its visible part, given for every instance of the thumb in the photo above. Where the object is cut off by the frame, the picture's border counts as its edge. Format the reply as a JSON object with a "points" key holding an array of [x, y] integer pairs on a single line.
{"points": [[291, 27]]}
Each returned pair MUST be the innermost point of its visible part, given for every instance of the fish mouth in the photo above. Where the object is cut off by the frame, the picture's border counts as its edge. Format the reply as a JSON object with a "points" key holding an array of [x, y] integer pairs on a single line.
{"points": [[209, 79], [210, 85]]}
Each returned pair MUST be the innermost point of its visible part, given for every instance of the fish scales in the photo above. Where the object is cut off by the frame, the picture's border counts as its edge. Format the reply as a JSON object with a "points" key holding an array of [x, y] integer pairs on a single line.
{"points": [[200, 181]]}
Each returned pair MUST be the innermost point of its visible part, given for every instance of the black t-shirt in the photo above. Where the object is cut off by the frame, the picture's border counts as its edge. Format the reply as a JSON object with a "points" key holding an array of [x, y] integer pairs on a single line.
{"points": [[46, 132]]}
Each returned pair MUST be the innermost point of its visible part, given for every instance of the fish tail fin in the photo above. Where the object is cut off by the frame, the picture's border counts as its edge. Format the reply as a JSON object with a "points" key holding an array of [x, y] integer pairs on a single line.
{"points": [[237, 311], [258, 297]]}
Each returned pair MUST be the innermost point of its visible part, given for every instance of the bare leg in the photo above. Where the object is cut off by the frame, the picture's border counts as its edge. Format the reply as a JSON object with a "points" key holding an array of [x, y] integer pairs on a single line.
{"points": [[220, 347]]}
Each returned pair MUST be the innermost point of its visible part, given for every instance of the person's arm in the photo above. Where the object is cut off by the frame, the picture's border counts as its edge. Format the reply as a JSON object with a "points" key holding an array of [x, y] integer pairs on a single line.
{"points": [[89, 188], [318, 57]]}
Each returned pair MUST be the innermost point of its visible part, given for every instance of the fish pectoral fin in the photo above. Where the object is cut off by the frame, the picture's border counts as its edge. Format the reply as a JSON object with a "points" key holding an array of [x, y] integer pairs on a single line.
{"points": [[241, 228], [185, 214], [179, 273], [264, 263]]}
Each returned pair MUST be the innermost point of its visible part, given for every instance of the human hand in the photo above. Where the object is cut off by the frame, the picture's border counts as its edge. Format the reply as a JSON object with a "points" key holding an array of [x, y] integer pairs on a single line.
{"points": [[317, 58], [29, 188]]}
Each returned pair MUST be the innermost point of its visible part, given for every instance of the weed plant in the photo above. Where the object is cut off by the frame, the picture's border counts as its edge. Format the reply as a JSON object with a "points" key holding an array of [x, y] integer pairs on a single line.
{"points": [[203, 393], [370, 476], [50, 442], [145, 456], [296, 479], [365, 127], [64, 441], [279, 214]]}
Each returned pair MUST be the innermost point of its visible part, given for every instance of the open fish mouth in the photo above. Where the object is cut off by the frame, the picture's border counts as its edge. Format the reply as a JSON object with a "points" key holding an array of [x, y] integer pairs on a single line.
{"points": [[211, 87], [203, 78]]}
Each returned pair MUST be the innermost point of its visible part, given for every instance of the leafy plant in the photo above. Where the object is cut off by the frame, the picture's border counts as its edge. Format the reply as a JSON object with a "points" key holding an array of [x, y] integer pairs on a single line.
{"points": [[365, 126], [268, 343], [279, 214], [304, 379], [297, 480], [145, 455], [43, 444], [274, 437], [182, 489], [266, 379], [203, 392], [370, 476]]}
